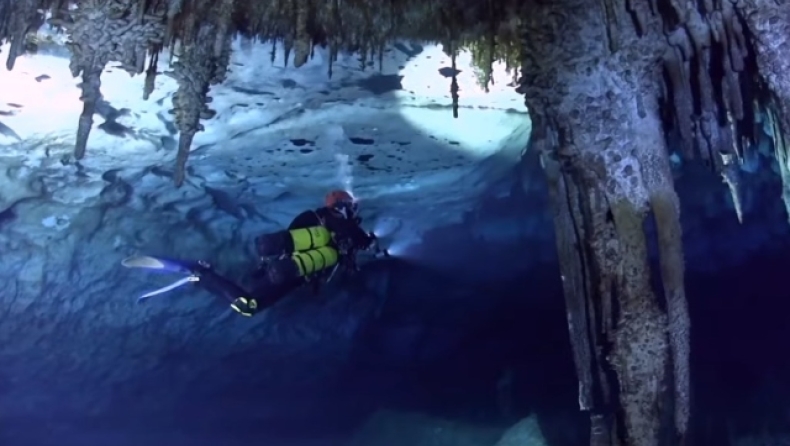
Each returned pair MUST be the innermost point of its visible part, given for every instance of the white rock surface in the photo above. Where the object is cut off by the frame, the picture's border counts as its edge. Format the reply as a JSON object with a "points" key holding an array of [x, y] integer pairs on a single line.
{"points": [[278, 132]]}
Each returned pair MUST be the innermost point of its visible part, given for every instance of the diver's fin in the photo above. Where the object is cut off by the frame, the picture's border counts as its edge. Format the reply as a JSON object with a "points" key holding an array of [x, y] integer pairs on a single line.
{"points": [[146, 262], [167, 288], [157, 264]]}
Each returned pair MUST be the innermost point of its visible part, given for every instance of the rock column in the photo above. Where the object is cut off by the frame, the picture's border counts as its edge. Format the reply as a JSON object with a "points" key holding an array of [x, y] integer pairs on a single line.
{"points": [[593, 89]]}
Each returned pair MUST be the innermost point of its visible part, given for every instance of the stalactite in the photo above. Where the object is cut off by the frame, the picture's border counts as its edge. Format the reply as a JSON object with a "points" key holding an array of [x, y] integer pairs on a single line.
{"points": [[737, 41], [173, 9], [766, 33], [588, 311], [781, 152], [373, 52], [635, 336], [332, 59], [731, 89], [336, 25], [640, 352], [653, 4], [287, 47], [302, 37], [720, 38], [730, 173], [150, 75], [708, 117], [24, 16], [5, 16], [222, 17], [454, 86], [662, 199], [706, 67], [594, 225], [101, 31], [191, 15], [716, 26], [677, 7], [721, 49], [489, 63], [666, 211], [573, 276], [698, 40], [735, 98], [681, 91], [201, 63], [91, 93], [363, 58], [610, 23], [638, 17], [193, 71]]}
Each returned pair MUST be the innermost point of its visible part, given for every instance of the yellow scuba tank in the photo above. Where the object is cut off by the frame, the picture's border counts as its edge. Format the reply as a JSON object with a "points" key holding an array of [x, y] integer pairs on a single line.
{"points": [[303, 264], [286, 242]]}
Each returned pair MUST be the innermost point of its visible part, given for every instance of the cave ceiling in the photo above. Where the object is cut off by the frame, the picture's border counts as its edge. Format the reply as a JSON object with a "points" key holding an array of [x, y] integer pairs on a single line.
{"points": [[715, 97]]}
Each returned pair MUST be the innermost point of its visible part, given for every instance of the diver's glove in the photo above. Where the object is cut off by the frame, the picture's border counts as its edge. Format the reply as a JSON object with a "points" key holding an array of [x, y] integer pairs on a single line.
{"points": [[245, 306], [378, 251], [373, 241]]}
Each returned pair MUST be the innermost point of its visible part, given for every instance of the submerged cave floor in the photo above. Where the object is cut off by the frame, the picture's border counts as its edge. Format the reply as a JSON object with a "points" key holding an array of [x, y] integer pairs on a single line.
{"points": [[741, 380]]}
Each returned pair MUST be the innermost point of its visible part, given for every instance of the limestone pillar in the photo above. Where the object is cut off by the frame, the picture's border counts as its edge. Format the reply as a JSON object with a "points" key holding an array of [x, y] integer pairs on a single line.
{"points": [[593, 91]]}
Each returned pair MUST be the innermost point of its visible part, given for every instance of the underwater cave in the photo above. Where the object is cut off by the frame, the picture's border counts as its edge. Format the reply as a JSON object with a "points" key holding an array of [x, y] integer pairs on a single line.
{"points": [[584, 206]]}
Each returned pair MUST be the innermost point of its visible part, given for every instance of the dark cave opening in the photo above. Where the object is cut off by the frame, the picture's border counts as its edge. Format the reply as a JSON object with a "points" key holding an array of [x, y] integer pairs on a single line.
{"points": [[740, 383], [740, 327], [740, 379]]}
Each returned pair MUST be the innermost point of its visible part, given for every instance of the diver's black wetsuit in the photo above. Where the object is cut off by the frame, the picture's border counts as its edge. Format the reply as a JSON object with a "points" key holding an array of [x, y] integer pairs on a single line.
{"points": [[347, 230], [349, 238]]}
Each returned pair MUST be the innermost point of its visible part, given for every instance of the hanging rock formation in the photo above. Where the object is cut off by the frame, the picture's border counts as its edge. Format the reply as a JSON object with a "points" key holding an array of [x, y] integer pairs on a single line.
{"points": [[198, 33], [203, 61], [768, 25], [608, 104], [100, 32], [594, 99]]}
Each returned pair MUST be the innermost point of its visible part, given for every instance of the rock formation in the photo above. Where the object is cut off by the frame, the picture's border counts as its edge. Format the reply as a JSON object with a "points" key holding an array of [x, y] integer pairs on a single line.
{"points": [[610, 94]]}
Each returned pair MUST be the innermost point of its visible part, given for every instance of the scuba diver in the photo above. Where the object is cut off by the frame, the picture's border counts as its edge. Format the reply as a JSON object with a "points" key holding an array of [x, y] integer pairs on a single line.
{"points": [[316, 244]]}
